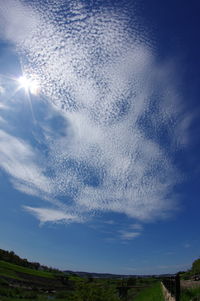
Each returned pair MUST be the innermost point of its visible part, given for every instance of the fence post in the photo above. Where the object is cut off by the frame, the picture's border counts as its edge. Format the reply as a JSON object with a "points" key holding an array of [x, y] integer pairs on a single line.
{"points": [[178, 288]]}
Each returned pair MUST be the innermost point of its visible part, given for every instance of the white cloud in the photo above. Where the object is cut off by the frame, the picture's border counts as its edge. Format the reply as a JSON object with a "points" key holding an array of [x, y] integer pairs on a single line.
{"points": [[19, 160], [2, 120], [3, 106], [136, 227], [127, 235], [1, 90], [117, 101], [51, 215], [133, 231], [17, 20]]}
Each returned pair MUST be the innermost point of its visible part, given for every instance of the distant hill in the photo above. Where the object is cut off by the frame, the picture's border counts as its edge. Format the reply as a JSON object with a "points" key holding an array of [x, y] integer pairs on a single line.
{"points": [[96, 275], [113, 276]]}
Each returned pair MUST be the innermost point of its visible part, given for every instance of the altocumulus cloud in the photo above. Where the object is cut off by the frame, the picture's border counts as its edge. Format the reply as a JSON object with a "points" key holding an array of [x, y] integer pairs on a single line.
{"points": [[97, 68]]}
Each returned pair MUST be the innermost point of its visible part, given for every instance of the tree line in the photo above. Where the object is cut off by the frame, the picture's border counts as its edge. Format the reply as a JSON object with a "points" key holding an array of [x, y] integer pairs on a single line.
{"points": [[11, 257]]}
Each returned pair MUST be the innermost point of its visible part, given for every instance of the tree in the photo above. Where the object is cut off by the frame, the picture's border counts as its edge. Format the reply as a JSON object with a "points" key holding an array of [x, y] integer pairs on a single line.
{"points": [[196, 266]]}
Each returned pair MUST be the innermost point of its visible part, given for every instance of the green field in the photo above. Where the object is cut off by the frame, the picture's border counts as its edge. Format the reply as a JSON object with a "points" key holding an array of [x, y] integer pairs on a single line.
{"points": [[153, 293]]}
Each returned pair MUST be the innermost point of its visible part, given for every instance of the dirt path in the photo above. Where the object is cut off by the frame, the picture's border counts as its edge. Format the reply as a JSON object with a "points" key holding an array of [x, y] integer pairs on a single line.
{"points": [[166, 294]]}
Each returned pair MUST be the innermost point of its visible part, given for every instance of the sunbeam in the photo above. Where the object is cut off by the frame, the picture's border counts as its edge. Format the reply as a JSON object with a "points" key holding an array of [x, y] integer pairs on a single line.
{"points": [[29, 85]]}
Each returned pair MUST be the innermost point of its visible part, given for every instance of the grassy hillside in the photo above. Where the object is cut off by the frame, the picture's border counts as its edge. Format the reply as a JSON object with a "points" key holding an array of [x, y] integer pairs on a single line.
{"points": [[22, 283], [14, 271], [18, 282]]}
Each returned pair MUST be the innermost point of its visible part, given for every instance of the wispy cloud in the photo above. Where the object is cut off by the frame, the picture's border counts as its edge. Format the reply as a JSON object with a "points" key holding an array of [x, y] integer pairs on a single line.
{"points": [[19, 160], [131, 232], [51, 215], [2, 120], [127, 235], [1, 90], [3, 106], [117, 102], [136, 227], [187, 245]]}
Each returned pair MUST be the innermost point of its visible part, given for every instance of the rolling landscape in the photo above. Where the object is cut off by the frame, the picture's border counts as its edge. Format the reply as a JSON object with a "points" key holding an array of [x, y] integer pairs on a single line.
{"points": [[24, 280]]}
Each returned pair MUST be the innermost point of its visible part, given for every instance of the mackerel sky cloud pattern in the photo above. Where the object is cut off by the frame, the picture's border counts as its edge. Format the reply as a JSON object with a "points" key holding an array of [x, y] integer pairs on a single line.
{"points": [[117, 106]]}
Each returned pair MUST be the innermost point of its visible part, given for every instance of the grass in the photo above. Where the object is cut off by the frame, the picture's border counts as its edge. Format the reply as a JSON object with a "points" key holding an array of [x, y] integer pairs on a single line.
{"points": [[11, 270], [190, 294], [9, 274], [41, 298], [153, 293]]}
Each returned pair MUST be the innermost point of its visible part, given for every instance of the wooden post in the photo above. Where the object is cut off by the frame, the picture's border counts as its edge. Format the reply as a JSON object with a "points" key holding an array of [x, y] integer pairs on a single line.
{"points": [[178, 287], [123, 290]]}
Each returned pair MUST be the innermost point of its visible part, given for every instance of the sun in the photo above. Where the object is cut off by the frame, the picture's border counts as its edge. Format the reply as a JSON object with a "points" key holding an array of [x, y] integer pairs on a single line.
{"points": [[29, 85]]}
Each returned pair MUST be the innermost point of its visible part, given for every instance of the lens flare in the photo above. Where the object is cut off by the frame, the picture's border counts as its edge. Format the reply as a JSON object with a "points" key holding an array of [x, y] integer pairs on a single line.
{"points": [[29, 85]]}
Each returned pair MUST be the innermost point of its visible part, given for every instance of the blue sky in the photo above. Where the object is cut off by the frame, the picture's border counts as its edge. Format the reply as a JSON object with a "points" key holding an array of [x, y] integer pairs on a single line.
{"points": [[99, 134]]}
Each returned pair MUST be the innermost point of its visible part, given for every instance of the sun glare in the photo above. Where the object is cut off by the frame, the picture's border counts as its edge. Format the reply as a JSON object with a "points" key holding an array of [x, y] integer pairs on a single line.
{"points": [[29, 85]]}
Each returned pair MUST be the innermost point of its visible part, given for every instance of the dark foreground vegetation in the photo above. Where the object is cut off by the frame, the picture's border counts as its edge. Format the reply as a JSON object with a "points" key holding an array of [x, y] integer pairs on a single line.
{"points": [[191, 294], [190, 283], [24, 280]]}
